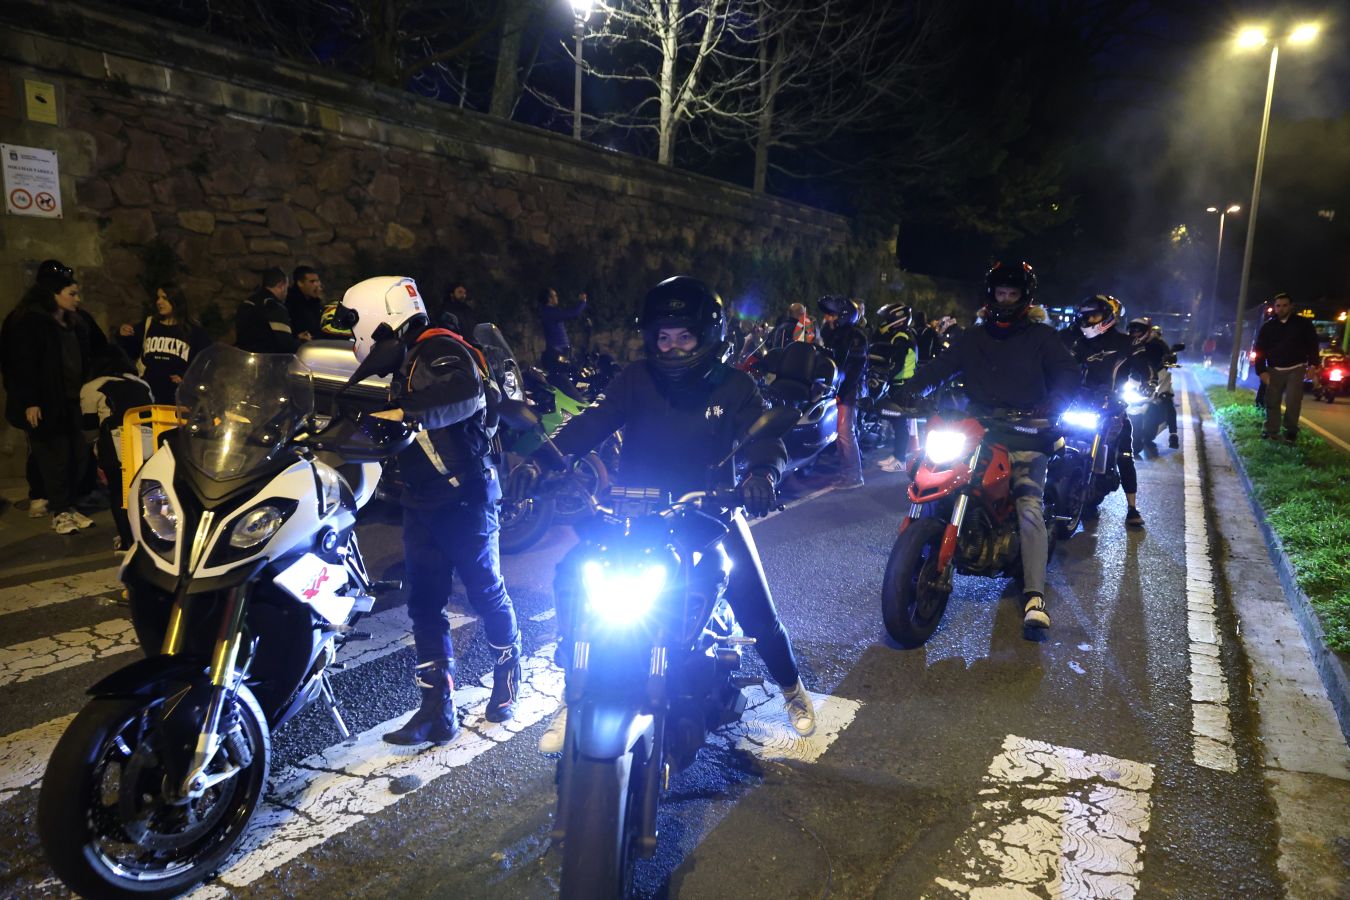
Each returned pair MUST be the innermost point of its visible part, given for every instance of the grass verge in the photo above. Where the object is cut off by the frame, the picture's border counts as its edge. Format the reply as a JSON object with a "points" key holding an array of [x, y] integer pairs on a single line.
{"points": [[1302, 490]]}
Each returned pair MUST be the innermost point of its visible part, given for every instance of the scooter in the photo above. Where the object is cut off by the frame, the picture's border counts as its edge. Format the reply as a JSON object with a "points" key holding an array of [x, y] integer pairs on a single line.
{"points": [[962, 518], [244, 581], [801, 377]]}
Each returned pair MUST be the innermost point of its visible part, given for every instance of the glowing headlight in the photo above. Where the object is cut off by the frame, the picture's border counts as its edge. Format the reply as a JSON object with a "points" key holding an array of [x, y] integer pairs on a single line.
{"points": [[330, 489], [1081, 418], [256, 526], [158, 512], [622, 597], [944, 446], [1130, 394]]}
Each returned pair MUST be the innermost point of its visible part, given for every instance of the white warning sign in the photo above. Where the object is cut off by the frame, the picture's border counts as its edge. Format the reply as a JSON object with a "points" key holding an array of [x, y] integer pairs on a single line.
{"points": [[32, 181]]}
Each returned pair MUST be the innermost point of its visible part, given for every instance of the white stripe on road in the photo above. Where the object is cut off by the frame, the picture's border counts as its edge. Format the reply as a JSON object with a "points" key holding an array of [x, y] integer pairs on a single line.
{"points": [[31, 659], [24, 754], [1324, 433], [20, 597], [1053, 821], [329, 792], [819, 492], [1211, 732], [765, 732]]}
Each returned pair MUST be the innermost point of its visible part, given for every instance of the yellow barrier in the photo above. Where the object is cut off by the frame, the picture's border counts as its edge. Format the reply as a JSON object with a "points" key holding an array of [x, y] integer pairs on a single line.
{"points": [[158, 419]]}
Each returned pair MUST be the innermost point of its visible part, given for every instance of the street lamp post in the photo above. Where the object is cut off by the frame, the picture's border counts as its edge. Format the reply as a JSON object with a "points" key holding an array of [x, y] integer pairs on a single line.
{"points": [[1251, 38], [582, 9], [1218, 257]]}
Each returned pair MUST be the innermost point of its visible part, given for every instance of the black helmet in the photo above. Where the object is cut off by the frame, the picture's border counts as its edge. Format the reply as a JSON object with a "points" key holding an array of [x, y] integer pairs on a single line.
{"points": [[835, 305], [1103, 308], [54, 267], [683, 302], [892, 317], [1020, 276]]}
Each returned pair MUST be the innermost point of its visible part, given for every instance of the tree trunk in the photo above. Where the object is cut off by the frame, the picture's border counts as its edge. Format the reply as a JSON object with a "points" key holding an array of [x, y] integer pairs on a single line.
{"points": [[768, 87], [670, 50], [506, 86], [384, 64]]}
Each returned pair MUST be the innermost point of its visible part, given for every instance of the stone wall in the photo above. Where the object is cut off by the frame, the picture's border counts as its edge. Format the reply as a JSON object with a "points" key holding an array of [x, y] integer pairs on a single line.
{"points": [[188, 159]]}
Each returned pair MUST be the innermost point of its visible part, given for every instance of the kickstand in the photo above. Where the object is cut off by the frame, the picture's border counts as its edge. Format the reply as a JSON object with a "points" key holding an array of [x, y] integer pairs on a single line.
{"points": [[331, 702]]}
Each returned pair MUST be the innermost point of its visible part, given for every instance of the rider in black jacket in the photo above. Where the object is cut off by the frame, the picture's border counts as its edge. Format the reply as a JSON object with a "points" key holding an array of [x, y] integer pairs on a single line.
{"points": [[1109, 359], [847, 345], [449, 498], [681, 410], [1010, 363]]}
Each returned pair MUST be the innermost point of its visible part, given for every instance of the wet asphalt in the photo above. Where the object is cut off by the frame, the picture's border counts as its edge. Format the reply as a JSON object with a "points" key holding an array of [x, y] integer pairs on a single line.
{"points": [[883, 812]]}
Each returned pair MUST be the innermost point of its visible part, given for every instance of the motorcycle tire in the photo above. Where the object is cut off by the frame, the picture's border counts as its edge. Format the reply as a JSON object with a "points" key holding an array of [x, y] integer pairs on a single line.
{"points": [[1069, 499], [75, 778], [602, 809], [569, 505], [913, 596]]}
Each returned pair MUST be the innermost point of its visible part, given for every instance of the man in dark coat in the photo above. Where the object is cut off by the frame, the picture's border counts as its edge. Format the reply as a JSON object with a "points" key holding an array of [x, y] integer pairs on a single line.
{"points": [[1285, 346]]}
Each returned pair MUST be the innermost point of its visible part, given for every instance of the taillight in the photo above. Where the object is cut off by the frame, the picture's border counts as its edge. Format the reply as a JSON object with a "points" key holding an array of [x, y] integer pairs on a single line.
{"points": [[1335, 375]]}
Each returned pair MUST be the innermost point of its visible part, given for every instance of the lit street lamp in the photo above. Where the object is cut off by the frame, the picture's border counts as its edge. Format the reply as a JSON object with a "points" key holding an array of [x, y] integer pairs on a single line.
{"points": [[1250, 39], [1218, 257], [582, 8]]}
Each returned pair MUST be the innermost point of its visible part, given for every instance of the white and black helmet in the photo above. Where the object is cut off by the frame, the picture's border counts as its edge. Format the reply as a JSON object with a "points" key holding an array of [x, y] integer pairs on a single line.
{"points": [[368, 306]]}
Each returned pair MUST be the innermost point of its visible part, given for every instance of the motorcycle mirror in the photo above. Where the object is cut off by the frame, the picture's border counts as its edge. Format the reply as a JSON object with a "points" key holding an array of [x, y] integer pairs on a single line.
{"points": [[385, 357], [518, 414]]}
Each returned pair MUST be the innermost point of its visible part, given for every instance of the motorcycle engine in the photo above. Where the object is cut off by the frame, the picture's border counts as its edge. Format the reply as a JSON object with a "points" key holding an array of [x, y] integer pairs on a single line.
{"points": [[983, 548]]}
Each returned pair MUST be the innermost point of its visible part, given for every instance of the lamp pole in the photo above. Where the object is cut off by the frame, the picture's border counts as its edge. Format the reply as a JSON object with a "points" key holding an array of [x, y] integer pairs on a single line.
{"points": [[582, 9], [1218, 258]]}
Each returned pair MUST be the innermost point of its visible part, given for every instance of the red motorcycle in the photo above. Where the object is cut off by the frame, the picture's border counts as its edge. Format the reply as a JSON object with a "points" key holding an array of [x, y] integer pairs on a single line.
{"points": [[1332, 378], [961, 519]]}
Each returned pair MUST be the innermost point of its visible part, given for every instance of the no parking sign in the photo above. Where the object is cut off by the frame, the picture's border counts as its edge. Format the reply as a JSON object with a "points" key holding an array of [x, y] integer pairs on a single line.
{"points": [[32, 181]]}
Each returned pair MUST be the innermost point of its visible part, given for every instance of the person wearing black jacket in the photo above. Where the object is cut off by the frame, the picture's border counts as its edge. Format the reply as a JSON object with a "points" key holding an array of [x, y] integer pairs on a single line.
{"points": [[460, 306], [304, 303], [1148, 342], [262, 323], [1285, 346], [847, 345], [681, 411], [1010, 363], [1109, 359], [449, 498], [50, 341]]}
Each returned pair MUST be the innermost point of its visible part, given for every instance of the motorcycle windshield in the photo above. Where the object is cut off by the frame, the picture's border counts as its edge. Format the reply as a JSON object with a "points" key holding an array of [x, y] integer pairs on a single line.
{"points": [[240, 409]]}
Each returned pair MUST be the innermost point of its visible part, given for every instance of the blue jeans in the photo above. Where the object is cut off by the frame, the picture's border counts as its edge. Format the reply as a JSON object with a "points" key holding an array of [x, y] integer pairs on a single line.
{"points": [[438, 542]]}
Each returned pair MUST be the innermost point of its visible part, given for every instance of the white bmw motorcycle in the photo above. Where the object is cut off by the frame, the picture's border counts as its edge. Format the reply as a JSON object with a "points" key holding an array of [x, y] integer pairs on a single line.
{"points": [[244, 580]]}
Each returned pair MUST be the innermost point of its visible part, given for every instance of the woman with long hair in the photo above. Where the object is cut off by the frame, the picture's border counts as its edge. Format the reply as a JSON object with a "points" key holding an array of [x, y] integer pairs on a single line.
{"points": [[165, 342]]}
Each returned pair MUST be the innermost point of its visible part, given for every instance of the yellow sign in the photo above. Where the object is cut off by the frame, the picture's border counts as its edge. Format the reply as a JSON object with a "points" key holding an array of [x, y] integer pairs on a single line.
{"points": [[41, 98], [1306, 313]]}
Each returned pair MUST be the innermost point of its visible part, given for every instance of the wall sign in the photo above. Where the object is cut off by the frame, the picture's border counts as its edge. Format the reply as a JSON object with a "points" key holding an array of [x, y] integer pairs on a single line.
{"points": [[41, 101], [32, 181]]}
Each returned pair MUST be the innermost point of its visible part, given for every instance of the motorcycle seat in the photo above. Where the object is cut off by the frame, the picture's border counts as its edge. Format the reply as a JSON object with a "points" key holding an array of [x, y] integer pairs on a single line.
{"points": [[798, 373]]}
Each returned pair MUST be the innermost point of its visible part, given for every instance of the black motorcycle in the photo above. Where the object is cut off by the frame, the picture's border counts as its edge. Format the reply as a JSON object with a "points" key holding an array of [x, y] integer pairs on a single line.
{"points": [[244, 581]]}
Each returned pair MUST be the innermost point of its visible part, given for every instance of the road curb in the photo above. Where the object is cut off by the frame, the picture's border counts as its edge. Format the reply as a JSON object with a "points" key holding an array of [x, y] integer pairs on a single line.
{"points": [[1331, 666]]}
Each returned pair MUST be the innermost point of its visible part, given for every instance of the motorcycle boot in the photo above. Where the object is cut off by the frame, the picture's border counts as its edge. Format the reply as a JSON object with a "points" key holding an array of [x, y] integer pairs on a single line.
{"points": [[435, 721], [506, 675]]}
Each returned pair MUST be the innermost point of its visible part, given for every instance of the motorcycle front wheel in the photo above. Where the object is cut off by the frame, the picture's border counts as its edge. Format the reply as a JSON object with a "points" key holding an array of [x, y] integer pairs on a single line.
{"points": [[914, 592], [600, 847], [104, 821], [523, 522]]}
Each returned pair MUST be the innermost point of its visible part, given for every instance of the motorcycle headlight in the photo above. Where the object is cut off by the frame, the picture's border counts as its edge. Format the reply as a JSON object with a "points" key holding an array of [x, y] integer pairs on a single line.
{"points": [[330, 487], [622, 597], [256, 526], [1085, 419], [1131, 394], [944, 446], [158, 512]]}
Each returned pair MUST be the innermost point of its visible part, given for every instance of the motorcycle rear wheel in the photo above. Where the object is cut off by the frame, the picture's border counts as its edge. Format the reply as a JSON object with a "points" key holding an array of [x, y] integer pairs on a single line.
{"points": [[914, 593], [84, 804], [602, 821]]}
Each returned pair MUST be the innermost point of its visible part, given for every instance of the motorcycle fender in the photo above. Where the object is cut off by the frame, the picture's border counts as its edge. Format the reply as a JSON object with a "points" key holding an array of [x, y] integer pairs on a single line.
{"points": [[149, 676], [606, 730]]}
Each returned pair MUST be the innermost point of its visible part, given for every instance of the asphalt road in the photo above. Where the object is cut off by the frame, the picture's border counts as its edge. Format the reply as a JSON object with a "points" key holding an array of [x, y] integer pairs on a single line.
{"points": [[1115, 758]]}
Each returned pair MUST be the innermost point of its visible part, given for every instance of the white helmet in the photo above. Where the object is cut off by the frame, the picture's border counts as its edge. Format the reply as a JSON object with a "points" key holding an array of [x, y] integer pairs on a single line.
{"points": [[391, 300]]}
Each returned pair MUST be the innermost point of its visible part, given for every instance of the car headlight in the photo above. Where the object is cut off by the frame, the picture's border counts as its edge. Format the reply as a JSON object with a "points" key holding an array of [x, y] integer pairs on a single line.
{"points": [[158, 512], [256, 526], [330, 487], [622, 597], [1081, 418], [944, 446]]}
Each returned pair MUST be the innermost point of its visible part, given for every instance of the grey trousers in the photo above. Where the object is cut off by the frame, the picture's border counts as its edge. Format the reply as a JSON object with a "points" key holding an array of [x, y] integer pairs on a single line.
{"points": [[1028, 490], [1287, 384]]}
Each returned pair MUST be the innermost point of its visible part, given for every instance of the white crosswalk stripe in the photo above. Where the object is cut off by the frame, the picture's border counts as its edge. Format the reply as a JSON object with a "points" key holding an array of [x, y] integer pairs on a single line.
{"points": [[50, 591], [32, 659]]}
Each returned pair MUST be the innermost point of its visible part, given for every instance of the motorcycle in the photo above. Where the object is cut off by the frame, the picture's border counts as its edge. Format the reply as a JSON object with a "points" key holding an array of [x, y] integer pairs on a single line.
{"points": [[962, 518], [656, 649], [1147, 405], [1331, 379], [802, 378], [244, 581], [1082, 470]]}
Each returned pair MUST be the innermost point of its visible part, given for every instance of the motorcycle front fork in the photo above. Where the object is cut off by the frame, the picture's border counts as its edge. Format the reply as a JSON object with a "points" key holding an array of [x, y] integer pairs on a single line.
{"points": [[948, 549]]}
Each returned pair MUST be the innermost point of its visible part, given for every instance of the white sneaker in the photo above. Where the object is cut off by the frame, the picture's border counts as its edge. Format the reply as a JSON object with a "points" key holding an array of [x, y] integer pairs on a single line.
{"points": [[64, 523], [81, 519], [37, 509], [891, 464], [551, 741], [800, 712]]}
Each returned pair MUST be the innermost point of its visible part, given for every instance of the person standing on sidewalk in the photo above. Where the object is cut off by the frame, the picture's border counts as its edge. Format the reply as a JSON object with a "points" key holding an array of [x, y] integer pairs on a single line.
{"points": [[165, 342], [1285, 346], [847, 344], [262, 323]]}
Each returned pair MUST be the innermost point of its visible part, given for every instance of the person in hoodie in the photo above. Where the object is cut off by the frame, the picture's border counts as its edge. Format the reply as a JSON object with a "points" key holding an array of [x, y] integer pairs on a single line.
{"points": [[165, 342], [113, 389], [1010, 363]]}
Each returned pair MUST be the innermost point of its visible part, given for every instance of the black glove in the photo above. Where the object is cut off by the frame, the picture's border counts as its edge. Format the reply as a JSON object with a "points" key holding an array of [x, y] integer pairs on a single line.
{"points": [[904, 395], [758, 495]]}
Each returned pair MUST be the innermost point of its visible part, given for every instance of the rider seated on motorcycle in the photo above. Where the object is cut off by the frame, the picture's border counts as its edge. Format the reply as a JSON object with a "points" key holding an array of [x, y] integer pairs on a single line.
{"points": [[1010, 363], [847, 345], [681, 410], [1109, 359], [896, 341], [1148, 340], [449, 498]]}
